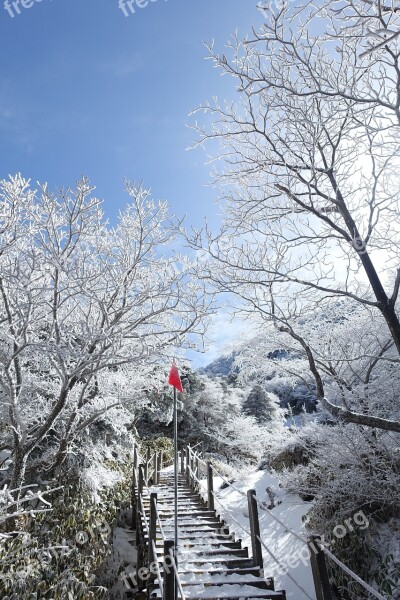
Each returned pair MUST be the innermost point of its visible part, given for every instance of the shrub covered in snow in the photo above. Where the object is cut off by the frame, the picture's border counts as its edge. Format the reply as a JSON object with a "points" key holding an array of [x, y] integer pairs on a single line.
{"points": [[59, 553]]}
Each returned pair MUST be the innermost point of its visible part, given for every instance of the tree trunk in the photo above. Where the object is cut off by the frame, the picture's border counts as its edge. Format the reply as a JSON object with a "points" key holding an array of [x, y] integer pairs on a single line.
{"points": [[386, 307], [18, 473], [393, 323]]}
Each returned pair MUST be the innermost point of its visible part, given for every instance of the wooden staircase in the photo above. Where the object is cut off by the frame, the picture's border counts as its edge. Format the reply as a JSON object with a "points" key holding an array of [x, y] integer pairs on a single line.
{"points": [[212, 563]]}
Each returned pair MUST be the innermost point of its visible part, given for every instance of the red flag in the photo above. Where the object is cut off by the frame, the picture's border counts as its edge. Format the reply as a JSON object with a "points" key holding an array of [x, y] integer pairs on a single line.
{"points": [[174, 378]]}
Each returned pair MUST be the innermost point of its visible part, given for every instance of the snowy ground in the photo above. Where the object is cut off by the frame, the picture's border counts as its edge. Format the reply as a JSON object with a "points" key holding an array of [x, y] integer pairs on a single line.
{"points": [[122, 561], [283, 545]]}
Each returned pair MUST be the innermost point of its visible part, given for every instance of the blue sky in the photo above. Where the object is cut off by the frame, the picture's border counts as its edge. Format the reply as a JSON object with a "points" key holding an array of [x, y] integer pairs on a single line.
{"points": [[85, 90]]}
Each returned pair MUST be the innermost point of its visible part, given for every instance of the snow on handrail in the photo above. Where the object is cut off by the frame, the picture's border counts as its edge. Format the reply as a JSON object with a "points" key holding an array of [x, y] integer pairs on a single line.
{"points": [[350, 572], [195, 446], [197, 457]]}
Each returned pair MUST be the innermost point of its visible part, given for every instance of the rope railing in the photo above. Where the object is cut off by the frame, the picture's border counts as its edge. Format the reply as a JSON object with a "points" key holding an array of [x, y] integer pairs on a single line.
{"points": [[260, 504], [317, 550], [284, 569], [298, 585], [281, 523], [350, 573], [229, 483], [288, 529], [197, 456]]}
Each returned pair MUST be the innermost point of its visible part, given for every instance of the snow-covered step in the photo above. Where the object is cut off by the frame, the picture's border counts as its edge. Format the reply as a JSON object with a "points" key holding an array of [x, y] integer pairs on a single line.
{"points": [[192, 527], [232, 592], [215, 570], [211, 521], [197, 543], [207, 552], [214, 581], [230, 561], [198, 512]]}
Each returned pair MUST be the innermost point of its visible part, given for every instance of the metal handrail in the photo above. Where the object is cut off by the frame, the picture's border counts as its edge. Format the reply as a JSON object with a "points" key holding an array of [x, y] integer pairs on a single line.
{"points": [[159, 576], [177, 578]]}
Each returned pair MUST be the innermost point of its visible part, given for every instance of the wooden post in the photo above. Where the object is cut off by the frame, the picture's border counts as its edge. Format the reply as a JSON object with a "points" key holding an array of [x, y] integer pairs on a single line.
{"points": [[255, 531], [210, 487], [182, 461], [141, 480], [187, 465], [169, 573], [139, 565], [192, 481], [203, 450], [152, 532], [319, 570], [197, 471], [159, 465], [155, 465], [138, 513]]}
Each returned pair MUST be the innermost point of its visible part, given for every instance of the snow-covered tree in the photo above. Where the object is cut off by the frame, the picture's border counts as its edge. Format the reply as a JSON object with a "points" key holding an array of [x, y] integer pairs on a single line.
{"points": [[210, 404], [260, 405], [310, 179], [79, 300], [340, 353]]}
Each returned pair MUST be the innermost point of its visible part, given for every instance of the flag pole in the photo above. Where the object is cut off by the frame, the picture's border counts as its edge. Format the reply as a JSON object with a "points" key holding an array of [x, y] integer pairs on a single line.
{"points": [[176, 480], [175, 381]]}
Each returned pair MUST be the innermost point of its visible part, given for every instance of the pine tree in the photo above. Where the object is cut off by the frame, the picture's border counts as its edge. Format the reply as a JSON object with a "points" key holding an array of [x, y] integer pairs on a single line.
{"points": [[260, 405]]}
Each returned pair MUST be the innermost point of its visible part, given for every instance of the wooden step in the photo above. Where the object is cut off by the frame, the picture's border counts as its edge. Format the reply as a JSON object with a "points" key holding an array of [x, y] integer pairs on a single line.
{"points": [[229, 561], [221, 571], [190, 521], [195, 542], [239, 552], [256, 582], [200, 512], [246, 593]]}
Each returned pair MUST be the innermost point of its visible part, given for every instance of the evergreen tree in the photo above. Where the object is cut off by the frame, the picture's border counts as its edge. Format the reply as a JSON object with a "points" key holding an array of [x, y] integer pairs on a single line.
{"points": [[260, 405]]}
